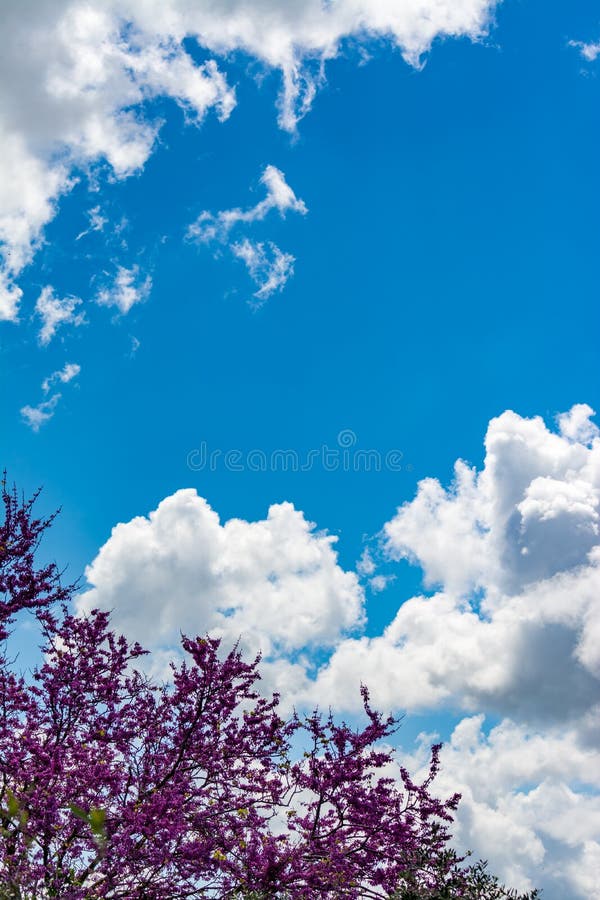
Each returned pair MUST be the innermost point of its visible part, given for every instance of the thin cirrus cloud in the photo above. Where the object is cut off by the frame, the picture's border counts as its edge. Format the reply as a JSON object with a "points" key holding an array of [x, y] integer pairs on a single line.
{"points": [[36, 416], [509, 629], [75, 78]]}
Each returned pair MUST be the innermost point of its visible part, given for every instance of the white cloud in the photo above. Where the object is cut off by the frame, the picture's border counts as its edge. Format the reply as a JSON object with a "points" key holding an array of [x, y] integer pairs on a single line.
{"points": [[523, 807], [584, 870], [267, 265], [280, 196], [29, 188], [366, 568], [127, 289], [516, 552], [55, 312], [275, 583], [516, 634], [36, 416], [590, 52], [96, 222], [64, 375], [576, 424], [379, 582], [76, 77], [531, 512], [30, 184], [366, 565], [10, 298], [513, 628], [299, 37]]}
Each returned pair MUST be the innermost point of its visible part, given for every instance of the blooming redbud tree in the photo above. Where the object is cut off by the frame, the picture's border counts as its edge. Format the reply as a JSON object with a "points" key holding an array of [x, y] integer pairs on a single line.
{"points": [[112, 786]]}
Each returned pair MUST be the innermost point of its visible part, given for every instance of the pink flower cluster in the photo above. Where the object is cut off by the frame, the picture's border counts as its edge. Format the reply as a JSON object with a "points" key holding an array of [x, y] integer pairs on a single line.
{"points": [[114, 787]]}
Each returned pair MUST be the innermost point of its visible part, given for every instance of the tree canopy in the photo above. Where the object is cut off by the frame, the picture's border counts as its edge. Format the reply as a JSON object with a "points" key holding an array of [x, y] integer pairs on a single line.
{"points": [[112, 786]]}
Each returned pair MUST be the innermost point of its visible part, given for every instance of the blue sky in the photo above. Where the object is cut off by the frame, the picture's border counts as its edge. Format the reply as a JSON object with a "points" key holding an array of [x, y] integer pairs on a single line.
{"points": [[451, 225], [445, 272]]}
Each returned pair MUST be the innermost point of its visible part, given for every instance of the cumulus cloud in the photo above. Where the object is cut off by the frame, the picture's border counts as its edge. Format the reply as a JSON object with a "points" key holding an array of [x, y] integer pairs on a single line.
{"points": [[76, 78], [127, 289], [522, 806], [55, 312], [299, 37], [280, 196], [515, 635], [274, 583], [511, 555], [28, 190], [531, 513], [515, 552], [576, 424], [10, 298], [514, 628], [30, 184]]}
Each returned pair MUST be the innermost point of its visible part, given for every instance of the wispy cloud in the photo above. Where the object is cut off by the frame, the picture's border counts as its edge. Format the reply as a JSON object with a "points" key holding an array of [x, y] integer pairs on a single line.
{"points": [[267, 266], [511, 628], [366, 568], [55, 312], [590, 52], [98, 113], [127, 289], [36, 416], [97, 222], [64, 375], [280, 196]]}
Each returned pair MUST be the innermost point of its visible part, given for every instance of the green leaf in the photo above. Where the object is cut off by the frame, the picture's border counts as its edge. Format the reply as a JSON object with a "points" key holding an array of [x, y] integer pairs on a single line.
{"points": [[79, 812], [97, 818], [13, 804]]}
